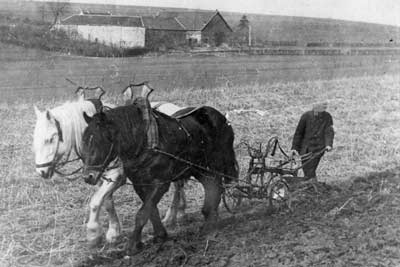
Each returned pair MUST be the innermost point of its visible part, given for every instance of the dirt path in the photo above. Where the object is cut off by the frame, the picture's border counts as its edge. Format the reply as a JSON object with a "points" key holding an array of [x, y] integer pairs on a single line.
{"points": [[352, 224]]}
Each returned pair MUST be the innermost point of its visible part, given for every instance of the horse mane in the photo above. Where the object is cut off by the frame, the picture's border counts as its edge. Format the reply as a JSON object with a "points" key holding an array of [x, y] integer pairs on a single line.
{"points": [[72, 123], [128, 119]]}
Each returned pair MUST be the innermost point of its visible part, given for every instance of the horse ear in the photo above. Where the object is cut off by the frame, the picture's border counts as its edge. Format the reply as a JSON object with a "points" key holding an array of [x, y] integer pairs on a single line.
{"points": [[81, 97], [87, 118], [37, 111], [127, 94], [80, 92]]}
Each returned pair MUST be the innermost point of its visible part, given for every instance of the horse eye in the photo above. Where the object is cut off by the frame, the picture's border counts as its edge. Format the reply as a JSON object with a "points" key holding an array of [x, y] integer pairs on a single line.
{"points": [[51, 139]]}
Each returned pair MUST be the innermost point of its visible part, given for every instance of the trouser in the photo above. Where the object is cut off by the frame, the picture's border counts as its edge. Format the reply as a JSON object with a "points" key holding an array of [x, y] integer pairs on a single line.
{"points": [[310, 166]]}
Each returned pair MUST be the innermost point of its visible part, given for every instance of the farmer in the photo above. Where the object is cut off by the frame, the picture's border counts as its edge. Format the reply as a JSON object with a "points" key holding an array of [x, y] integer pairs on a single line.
{"points": [[314, 133]]}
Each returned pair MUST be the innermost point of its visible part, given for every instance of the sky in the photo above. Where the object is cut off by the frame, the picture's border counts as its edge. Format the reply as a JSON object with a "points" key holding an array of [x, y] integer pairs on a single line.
{"points": [[375, 11]]}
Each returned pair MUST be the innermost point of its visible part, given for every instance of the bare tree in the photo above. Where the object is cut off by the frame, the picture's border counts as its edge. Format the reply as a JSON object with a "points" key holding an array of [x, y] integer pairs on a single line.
{"points": [[58, 9]]}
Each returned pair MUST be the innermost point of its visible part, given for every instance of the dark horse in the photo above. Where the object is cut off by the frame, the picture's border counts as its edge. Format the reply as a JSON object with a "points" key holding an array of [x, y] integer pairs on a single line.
{"points": [[198, 143]]}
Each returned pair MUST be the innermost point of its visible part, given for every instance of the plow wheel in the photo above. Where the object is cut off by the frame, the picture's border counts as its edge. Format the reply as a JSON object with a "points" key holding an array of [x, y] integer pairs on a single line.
{"points": [[278, 195], [232, 198]]}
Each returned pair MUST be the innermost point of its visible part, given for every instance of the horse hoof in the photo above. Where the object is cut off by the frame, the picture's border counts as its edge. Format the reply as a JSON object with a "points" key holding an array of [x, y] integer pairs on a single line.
{"points": [[184, 218], [207, 228], [112, 236], [135, 249], [94, 235], [169, 222], [160, 239], [95, 242]]}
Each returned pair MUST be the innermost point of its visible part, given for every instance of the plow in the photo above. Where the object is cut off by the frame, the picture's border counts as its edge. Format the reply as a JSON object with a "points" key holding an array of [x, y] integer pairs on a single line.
{"points": [[272, 175]]}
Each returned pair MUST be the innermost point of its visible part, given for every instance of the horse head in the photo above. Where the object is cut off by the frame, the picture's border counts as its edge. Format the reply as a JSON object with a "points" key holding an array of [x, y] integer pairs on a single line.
{"points": [[128, 128], [47, 139], [99, 147]]}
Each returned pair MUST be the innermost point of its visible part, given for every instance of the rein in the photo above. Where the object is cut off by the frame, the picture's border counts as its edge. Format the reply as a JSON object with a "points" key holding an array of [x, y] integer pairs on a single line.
{"points": [[176, 178], [193, 164]]}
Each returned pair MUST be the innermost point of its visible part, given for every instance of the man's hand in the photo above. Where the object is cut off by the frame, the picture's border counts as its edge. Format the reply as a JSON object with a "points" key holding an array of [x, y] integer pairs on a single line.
{"points": [[328, 148]]}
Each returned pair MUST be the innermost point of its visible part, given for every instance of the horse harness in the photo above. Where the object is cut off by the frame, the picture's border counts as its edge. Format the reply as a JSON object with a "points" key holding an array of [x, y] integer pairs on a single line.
{"points": [[152, 145], [60, 139]]}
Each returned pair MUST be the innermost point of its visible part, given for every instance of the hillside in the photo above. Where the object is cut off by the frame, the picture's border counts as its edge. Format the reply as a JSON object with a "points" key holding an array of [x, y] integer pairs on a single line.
{"points": [[264, 27]]}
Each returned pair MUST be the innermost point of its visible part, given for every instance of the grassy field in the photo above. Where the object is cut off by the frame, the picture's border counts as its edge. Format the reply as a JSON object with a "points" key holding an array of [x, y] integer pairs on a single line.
{"points": [[33, 75], [42, 223]]}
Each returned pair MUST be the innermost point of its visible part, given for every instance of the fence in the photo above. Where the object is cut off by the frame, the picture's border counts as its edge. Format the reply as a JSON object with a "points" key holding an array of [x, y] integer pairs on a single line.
{"points": [[300, 51]]}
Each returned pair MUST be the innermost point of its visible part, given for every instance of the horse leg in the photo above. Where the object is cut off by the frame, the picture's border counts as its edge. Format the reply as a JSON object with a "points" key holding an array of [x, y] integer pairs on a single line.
{"points": [[117, 176], [94, 231], [213, 190], [160, 234], [159, 230], [114, 227], [182, 198], [148, 210], [170, 216]]}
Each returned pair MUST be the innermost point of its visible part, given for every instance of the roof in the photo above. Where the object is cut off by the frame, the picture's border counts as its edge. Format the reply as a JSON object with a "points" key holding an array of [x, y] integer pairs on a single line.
{"points": [[128, 21], [167, 20], [162, 23], [193, 20]]}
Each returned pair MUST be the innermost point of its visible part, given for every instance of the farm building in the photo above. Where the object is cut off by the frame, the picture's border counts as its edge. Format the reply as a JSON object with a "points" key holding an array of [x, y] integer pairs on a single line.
{"points": [[202, 27], [167, 29], [163, 32], [120, 31]]}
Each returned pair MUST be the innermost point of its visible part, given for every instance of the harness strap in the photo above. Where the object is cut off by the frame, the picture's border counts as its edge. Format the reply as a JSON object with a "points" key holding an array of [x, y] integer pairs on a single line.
{"points": [[59, 131], [194, 165], [150, 121], [52, 163], [43, 165], [182, 127]]}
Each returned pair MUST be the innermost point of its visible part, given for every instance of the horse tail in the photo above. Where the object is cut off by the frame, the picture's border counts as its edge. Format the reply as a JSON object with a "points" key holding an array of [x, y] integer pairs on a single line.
{"points": [[221, 148], [231, 165], [224, 138]]}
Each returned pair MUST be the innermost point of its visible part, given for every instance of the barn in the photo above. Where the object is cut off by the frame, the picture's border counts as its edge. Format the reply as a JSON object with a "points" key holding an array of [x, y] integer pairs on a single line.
{"points": [[163, 32], [202, 27], [119, 31]]}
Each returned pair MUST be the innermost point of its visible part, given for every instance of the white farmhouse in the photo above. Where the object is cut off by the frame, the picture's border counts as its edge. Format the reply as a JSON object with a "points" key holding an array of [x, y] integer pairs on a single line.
{"points": [[119, 31]]}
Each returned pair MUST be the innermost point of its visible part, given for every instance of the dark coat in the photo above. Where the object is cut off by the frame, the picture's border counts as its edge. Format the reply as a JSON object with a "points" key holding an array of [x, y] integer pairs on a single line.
{"points": [[313, 133]]}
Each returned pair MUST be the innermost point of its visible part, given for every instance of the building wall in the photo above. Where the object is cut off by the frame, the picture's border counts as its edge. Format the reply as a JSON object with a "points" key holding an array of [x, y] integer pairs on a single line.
{"points": [[193, 37], [216, 32], [125, 37], [162, 39]]}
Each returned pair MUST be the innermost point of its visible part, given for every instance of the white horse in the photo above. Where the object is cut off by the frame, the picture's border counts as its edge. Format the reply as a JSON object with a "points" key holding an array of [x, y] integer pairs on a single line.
{"points": [[57, 133]]}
